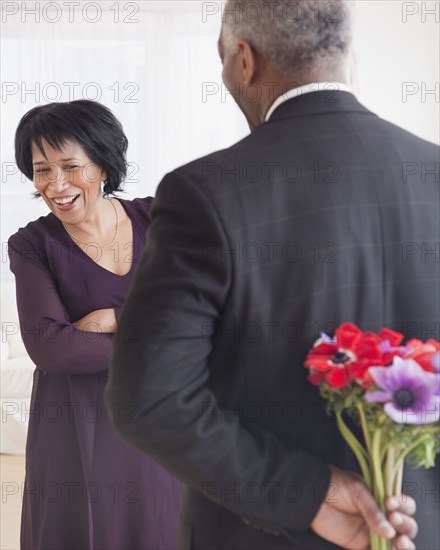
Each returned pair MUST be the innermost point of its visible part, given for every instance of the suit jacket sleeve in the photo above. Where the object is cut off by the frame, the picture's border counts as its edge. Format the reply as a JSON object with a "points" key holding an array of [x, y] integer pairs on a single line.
{"points": [[160, 362]]}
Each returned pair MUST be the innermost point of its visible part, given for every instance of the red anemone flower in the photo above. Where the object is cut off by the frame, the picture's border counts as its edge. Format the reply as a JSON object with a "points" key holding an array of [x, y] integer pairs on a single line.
{"points": [[423, 352], [346, 358]]}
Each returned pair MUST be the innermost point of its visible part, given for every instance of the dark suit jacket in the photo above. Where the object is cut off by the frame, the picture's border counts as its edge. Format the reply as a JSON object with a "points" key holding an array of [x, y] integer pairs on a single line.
{"points": [[324, 214]]}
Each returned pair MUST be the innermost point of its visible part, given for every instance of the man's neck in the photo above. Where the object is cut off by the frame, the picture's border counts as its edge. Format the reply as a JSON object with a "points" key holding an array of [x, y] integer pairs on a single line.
{"points": [[305, 89], [285, 83]]}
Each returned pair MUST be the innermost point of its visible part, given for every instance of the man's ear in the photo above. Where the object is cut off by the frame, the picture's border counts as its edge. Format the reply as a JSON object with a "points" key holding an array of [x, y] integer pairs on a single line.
{"points": [[248, 61]]}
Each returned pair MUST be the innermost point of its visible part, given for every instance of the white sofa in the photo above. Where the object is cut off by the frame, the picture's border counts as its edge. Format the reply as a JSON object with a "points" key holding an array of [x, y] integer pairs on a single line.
{"points": [[16, 376]]}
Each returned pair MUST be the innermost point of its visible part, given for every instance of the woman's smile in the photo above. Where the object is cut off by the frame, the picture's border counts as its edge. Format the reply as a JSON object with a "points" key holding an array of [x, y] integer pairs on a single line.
{"points": [[66, 202], [66, 179]]}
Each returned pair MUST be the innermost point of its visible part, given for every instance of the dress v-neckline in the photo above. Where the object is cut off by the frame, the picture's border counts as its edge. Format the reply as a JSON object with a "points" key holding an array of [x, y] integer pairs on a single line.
{"points": [[134, 240]]}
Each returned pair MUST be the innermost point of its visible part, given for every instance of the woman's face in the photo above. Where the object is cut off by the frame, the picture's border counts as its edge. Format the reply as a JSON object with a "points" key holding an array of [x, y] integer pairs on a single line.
{"points": [[68, 181]]}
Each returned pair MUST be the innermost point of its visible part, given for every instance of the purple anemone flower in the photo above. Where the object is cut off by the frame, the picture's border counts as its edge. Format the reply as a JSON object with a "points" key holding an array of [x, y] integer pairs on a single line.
{"points": [[436, 365], [436, 362], [386, 347], [323, 337], [410, 394]]}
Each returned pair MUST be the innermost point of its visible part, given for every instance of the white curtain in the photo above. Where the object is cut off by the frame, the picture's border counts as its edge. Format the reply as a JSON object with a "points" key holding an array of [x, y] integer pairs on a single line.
{"points": [[155, 64], [150, 70]]}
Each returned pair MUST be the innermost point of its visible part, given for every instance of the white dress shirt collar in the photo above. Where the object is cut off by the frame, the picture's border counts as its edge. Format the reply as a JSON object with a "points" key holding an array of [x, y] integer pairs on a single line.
{"points": [[307, 88]]}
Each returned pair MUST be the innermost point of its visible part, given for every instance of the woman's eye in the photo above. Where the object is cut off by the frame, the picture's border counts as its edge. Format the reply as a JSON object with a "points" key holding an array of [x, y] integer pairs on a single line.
{"points": [[70, 167], [42, 171]]}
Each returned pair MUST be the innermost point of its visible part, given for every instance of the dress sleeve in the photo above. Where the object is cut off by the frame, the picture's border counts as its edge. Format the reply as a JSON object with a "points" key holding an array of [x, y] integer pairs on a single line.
{"points": [[142, 211], [52, 342]]}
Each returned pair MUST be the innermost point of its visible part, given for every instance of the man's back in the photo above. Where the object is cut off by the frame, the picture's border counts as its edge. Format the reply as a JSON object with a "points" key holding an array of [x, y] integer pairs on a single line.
{"points": [[312, 220], [330, 214]]}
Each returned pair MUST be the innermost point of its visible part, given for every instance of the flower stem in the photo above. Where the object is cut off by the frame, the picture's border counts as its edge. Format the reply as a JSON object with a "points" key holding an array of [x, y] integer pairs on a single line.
{"points": [[373, 540], [364, 425], [390, 479], [356, 447], [399, 479], [377, 469], [389, 471], [406, 451], [378, 486], [378, 543]]}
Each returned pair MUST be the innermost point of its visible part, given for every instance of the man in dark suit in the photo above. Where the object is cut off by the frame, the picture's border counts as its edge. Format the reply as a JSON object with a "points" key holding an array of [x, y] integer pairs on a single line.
{"points": [[320, 216]]}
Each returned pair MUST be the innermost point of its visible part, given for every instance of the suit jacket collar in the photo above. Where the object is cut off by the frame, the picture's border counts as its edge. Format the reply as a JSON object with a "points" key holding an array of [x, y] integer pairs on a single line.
{"points": [[315, 103]]}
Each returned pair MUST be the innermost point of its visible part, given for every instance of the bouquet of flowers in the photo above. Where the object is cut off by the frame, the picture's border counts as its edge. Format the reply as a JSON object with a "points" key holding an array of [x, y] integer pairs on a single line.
{"points": [[392, 391]]}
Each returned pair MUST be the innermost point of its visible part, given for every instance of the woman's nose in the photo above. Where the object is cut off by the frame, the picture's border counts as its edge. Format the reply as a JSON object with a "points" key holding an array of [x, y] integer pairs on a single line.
{"points": [[58, 178]]}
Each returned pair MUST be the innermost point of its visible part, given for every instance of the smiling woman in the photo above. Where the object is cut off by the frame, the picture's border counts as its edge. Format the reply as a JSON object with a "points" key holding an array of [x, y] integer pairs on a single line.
{"points": [[89, 123], [59, 166], [63, 147], [73, 269]]}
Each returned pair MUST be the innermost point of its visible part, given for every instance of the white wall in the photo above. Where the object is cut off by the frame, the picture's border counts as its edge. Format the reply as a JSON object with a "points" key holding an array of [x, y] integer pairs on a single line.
{"points": [[396, 50], [165, 54]]}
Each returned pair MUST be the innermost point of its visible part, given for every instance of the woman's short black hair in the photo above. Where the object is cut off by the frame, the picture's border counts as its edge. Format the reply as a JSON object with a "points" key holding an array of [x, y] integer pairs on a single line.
{"points": [[89, 123]]}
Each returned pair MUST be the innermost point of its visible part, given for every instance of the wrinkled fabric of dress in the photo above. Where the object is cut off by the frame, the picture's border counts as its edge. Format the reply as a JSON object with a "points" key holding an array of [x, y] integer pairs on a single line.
{"points": [[85, 488]]}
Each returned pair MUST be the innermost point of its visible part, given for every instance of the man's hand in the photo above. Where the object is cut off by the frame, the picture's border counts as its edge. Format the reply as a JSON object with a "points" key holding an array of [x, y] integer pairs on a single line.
{"points": [[349, 511], [402, 508], [101, 320]]}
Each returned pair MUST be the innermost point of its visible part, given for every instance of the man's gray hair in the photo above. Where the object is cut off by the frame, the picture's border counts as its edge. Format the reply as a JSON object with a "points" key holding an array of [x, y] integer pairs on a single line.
{"points": [[295, 35]]}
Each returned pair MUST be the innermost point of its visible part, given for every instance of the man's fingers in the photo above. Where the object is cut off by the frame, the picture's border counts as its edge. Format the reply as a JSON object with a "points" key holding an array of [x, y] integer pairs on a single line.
{"points": [[404, 543], [404, 525], [371, 512], [346, 530], [402, 503]]}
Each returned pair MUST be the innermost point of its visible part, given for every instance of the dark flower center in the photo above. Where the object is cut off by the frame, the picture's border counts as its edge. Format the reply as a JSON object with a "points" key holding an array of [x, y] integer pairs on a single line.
{"points": [[404, 398], [340, 357]]}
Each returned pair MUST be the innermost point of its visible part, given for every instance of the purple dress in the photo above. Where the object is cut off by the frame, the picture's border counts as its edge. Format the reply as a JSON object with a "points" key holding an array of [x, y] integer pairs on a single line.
{"points": [[85, 488]]}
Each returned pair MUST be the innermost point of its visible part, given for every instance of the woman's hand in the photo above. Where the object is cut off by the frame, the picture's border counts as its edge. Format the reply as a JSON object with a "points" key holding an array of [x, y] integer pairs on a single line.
{"points": [[100, 320]]}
